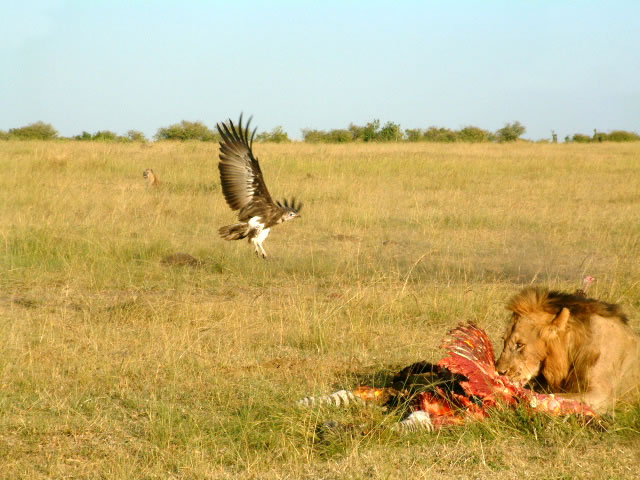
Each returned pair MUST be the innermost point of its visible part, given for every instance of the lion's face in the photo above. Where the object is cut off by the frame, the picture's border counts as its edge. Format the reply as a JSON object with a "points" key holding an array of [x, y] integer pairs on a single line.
{"points": [[526, 344], [523, 352]]}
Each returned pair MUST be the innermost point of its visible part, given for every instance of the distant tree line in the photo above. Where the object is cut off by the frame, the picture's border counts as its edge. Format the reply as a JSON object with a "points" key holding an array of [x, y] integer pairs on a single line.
{"points": [[45, 131], [182, 131], [198, 131], [613, 136], [109, 136], [373, 131], [391, 132]]}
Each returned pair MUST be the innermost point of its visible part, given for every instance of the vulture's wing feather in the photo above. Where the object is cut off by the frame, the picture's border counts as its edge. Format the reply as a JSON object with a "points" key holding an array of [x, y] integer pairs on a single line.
{"points": [[240, 175]]}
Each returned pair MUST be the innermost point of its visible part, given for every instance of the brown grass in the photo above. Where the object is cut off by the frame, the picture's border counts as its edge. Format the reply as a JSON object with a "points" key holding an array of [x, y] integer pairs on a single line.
{"points": [[115, 364]]}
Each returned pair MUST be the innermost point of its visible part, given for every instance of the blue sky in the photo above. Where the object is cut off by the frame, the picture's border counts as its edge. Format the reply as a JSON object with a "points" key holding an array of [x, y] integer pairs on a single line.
{"points": [[95, 65]]}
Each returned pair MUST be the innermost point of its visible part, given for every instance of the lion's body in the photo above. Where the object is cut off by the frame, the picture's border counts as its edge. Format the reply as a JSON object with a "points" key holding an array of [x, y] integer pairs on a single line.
{"points": [[150, 176], [580, 347]]}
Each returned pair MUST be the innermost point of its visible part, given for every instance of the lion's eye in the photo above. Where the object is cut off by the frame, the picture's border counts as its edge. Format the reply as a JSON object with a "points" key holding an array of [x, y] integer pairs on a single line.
{"points": [[519, 346]]}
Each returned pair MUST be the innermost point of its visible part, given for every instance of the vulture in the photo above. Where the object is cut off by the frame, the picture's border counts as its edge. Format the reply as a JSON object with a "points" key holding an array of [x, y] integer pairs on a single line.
{"points": [[245, 191]]}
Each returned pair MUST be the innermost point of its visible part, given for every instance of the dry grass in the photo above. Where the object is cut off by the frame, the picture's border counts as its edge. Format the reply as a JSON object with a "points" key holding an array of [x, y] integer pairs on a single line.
{"points": [[116, 364]]}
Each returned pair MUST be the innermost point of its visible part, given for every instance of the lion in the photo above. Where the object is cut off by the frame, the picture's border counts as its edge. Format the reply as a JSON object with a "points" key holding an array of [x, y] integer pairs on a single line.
{"points": [[150, 176], [578, 347]]}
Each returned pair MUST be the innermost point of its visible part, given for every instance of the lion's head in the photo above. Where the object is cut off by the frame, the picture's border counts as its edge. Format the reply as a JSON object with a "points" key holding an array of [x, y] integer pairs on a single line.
{"points": [[150, 177], [549, 335]]}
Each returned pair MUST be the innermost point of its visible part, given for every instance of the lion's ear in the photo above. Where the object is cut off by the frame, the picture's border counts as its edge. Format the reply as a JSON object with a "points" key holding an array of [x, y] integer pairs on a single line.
{"points": [[557, 325], [561, 320]]}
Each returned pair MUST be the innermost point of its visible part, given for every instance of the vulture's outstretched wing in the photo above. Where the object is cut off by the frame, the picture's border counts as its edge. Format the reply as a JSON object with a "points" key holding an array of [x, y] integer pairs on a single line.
{"points": [[242, 181]]}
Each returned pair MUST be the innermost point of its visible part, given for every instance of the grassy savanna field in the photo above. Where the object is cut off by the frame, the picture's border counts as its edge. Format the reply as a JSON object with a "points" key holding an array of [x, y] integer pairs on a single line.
{"points": [[114, 364]]}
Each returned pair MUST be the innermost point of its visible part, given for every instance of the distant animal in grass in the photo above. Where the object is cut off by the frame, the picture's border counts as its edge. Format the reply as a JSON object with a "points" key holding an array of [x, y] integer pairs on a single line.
{"points": [[151, 178], [586, 284], [244, 189]]}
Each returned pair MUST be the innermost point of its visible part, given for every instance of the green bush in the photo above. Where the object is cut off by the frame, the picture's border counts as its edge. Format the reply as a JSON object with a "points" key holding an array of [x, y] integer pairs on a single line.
{"points": [[187, 131], [105, 135], [357, 132], [623, 136], [332, 136], [374, 132], [83, 136], [599, 136], [277, 135], [370, 131], [391, 132], [4, 135], [35, 131], [474, 135], [313, 136], [136, 136], [339, 136], [510, 132], [414, 134], [435, 134], [580, 138]]}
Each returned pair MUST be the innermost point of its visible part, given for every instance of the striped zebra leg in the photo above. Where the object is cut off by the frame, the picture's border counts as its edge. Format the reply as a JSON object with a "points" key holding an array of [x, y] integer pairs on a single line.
{"points": [[417, 421], [341, 398]]}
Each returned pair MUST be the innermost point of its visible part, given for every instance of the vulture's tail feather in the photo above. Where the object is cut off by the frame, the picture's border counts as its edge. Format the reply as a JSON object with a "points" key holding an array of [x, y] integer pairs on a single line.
{"points": [[236, 231]]}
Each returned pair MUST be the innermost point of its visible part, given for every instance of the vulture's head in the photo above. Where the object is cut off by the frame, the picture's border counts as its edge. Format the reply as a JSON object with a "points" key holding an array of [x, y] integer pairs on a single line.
{"points": [[290, 210]]}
